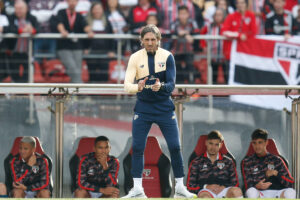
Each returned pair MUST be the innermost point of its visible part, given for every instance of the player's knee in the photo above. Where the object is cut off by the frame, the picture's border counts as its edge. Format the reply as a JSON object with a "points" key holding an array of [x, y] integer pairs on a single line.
{"points": [[234, 192], [18, 193], [204, 194], [3, 190], [80, 193], [44, 194], [252, 193], [289, 193]]}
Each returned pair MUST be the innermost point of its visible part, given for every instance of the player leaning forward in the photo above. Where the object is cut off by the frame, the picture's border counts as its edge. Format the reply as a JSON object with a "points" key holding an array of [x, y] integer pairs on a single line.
{"points": [[154, 70]]}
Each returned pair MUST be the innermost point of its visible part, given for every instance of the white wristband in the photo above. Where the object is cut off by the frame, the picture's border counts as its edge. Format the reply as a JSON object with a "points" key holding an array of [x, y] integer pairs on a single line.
{"points": [[204, 186]]}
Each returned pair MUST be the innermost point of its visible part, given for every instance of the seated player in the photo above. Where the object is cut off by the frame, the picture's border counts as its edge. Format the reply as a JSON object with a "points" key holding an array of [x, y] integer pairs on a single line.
{"points": [[265, 174], [30, 171], [98, 172], [213, 175]]}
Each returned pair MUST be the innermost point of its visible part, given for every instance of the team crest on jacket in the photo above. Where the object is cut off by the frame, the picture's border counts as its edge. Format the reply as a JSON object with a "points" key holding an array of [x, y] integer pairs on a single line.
{"points": [[161, 64], [220, 165], [35, 169], [247, 20], [271, 166], [91, 172]]}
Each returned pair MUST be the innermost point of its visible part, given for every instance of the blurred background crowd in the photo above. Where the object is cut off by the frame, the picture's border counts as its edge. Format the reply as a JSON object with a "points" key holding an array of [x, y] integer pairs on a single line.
{"points": [[94, 60]]}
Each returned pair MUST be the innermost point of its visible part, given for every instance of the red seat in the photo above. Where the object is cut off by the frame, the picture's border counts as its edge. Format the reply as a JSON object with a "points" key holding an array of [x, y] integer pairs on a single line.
{"points": [[38, 76], [156, 174], [14, 151], [200, 148], [55, 71], [85, 146], [271, 147]]}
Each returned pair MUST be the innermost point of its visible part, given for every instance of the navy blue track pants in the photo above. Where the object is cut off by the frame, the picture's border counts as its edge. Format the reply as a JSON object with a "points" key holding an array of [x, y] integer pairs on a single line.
{"points": [[140, 128]]}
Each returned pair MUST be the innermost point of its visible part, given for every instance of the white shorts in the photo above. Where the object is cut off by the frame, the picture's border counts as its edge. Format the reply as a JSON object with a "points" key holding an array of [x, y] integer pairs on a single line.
{"points": [[95, 194], [255, 193], [222, 194], [30, 194]]}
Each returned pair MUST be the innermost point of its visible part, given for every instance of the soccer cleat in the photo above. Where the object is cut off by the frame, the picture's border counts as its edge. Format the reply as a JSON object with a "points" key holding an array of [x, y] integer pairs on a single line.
{"points": [[136, 193], [182, 192]]}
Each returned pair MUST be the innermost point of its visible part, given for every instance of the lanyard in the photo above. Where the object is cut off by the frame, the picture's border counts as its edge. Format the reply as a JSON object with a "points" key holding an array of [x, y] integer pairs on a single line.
{"points": [[71, 18]]}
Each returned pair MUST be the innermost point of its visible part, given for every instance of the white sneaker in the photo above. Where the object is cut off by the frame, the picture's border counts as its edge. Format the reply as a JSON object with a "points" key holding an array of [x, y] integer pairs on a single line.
{"points": [[136, 193], [182, 192]]}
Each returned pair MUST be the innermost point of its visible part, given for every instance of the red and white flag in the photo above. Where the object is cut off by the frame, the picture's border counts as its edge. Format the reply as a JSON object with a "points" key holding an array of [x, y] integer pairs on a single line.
{"points": [[265, 61]]}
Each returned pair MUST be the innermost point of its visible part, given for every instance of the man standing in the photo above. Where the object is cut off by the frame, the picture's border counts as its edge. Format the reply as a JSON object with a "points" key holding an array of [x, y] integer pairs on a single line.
{"points": [[154, 71], [22, 22], [30, 172], [70, 50], [266, 175], [213, 175], [98, 172]]}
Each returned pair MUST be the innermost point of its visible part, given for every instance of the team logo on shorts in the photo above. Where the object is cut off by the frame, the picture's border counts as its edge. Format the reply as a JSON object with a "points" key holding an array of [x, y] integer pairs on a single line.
{"points": [[35, 169], [91, 172], [135, 117], [161, 64], [220, 165], [271, 166]]}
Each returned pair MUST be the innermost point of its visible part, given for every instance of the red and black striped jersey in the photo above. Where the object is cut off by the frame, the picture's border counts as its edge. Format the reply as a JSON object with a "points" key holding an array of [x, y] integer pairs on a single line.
{"points": [[254, 170], [91, 175], [202, 171], [34, 177]]}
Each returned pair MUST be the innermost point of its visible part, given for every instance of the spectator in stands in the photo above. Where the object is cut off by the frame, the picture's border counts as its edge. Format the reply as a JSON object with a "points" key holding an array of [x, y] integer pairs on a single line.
{"points": [[267, 8], [82, 6], [9, 6], [239, 25], [279, 21], [98, 67], [98, 172], [138, 15], [4, 28], [116, 17], [23, 22], [30, 172], [137, 19], [184, 27], [216, 45], [169, 10], [266, 175], [117, 20], [70, 50], [256, 6], [223, 4], [3, 191], [296, 24], [43, 11], [212, 174]]}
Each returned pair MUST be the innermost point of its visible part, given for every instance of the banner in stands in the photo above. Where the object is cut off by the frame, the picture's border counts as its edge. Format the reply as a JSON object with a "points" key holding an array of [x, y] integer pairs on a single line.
{"points": [[265, 61]]}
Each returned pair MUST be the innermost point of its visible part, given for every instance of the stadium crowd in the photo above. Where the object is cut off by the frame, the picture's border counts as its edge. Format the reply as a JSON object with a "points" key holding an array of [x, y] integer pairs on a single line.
{"points": [[235, 19]]}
